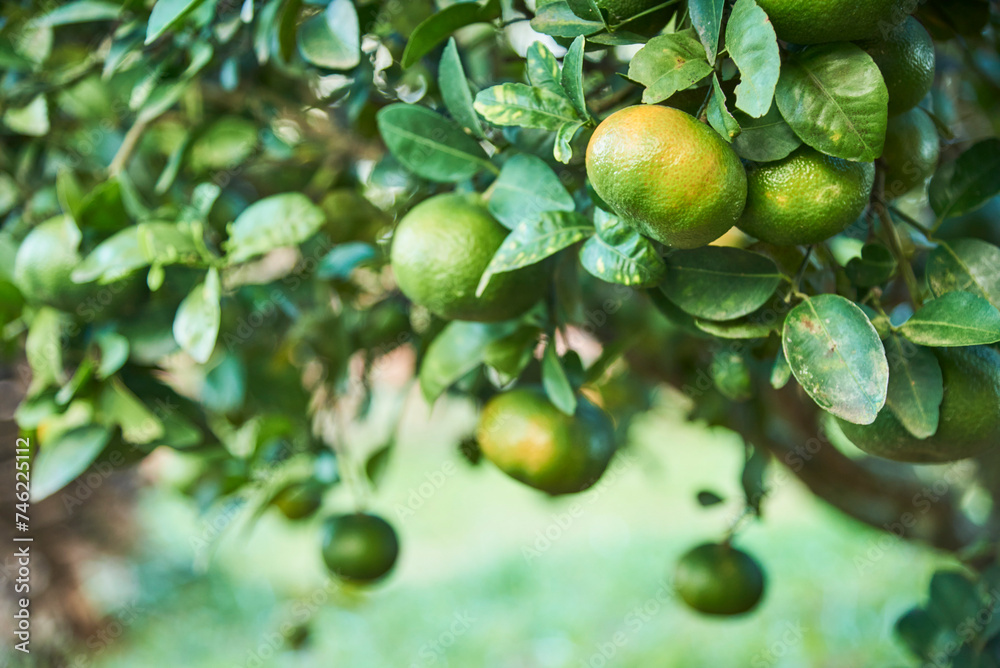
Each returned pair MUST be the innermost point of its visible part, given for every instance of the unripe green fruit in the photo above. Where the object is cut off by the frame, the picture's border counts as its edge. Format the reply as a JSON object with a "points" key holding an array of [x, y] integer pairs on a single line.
{"points": [[359, 547], [911, 152], [718, 579]]}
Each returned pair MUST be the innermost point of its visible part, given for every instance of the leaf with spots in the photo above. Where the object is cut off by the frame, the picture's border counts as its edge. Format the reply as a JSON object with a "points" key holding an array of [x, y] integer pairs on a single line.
{"points": [[718, 114], [836, 356], [535, 239], [543, 69], [954, 319], [525, 106], [834, 98], [764, 139], [969, 265], [719, 283], [619, 254], [562, 150]]}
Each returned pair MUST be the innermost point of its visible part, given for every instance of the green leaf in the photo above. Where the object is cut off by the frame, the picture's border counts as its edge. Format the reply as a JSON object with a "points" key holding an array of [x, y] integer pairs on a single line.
{"points": [[456, 91], [718, 114], [953, 599], [68, 191], [82, 11], [969, 265], [619, 254], [31, 120], [344, 258], [457, 350], [526, 188], [543, 69], [916, 386], [114, 352], [731, 375], [572, 76], [103, 208], [196, 325], [954, 319], [134, 248], [667, 64], [166, 14], [706, 17], [837, 357], [586, 9], [535, 239], [555, 382], [719, 283], [559, 20], [875, 266], [280, 220], [753, 46], [834, 98], [510, 355], [781, 373], [753, 478], [968, 183], [430, 145], [563, 147], [332, 39], [764, 139], [64, 458], [741, 328], [44, 349], [224, 144], [119, 406], [525, 106], [917, 630], [440, 25]]}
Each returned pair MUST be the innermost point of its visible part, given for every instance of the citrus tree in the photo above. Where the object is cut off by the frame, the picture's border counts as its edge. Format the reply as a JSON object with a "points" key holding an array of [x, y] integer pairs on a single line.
{"points": [[230, 228]]}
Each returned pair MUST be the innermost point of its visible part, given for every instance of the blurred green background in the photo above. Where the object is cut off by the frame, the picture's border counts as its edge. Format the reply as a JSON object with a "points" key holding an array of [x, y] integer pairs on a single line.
{"points": [[480, 584]]}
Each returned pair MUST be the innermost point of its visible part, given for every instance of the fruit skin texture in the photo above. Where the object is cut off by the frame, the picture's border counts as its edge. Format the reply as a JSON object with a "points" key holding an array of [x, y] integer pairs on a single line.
{"points": [[531, 440], [719, 580], [359, 547], [805, 198], [673, 178], [970, 414], [906, 59], [440, 251], [817, 21], [911, 152]]}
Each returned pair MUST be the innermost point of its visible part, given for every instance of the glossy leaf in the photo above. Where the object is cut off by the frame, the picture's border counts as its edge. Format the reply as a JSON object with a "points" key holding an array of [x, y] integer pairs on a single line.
{"points": [[781, 373], [280, 220], [534, 240], [706, 17], [875, 266], [966, 184], [526, 188], [719, 283], [61, 460], [440, 25], [619, 254], [563, 147], [457, 350], [741, 328], [718, 114], [572, 76], [764, 139], [525, 106], [332, 39], [166, 14], [837, 357], [559, 20], [555, 382], [82, 11], [586, 9], [954, 319], [834, 98], [196, 325], [667, 64], [969, 265], [456, 91], [543, 69], [916, 386], [753, 46], [430, 145]]}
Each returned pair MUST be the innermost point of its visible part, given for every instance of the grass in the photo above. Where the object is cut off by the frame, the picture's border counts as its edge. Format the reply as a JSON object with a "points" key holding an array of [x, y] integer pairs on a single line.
{"points": [[496, 575]]}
